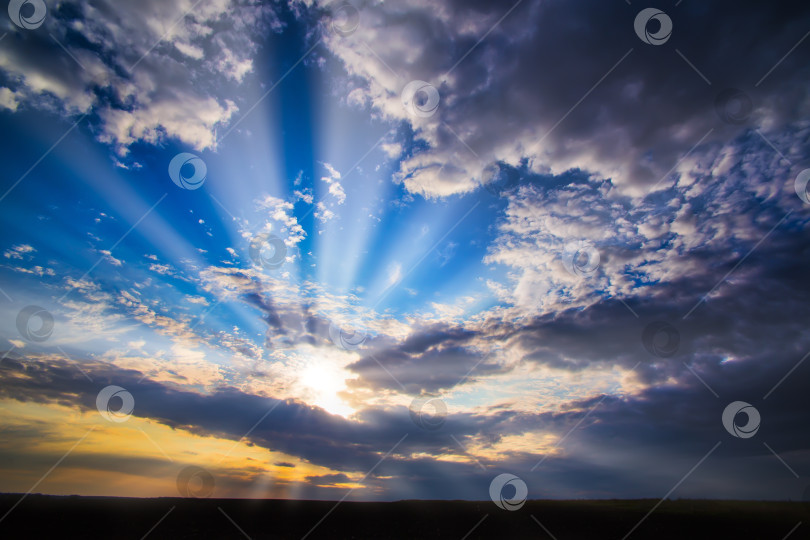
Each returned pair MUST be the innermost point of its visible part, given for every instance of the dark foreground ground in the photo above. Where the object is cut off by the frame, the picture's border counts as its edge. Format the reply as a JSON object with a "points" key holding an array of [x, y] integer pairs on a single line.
{"points": [[40, 516]]}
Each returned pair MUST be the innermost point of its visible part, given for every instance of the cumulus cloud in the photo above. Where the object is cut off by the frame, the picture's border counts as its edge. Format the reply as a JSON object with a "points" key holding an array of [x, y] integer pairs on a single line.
{"points": [[722, 207], [149, 71], [569, 85], [17, 252], [325, 209], [280, 220], [9, 99]]}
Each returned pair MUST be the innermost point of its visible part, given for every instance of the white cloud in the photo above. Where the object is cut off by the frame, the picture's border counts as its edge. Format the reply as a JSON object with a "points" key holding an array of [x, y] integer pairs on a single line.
{"points": [[192, 119], [170, 66], [17, 252], [9, 99], [110, 259], [35, 271], [641, 242], [305, 195], [335, 188], [162, 269], [323, 214], [280, 220]]}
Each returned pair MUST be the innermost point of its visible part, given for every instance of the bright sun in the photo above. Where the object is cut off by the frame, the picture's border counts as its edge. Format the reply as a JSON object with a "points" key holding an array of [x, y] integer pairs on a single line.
{"points": [[322, 381]]}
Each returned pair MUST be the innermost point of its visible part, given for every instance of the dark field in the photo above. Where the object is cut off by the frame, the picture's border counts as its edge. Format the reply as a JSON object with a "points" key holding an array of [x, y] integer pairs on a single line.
{"points": [[40, 516]]}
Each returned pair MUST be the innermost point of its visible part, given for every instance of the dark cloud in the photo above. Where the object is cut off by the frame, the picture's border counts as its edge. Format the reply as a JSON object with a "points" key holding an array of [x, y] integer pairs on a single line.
{"points": [[521, 92], [635, 445], [436, 369], [328, 479], [287, 426]]}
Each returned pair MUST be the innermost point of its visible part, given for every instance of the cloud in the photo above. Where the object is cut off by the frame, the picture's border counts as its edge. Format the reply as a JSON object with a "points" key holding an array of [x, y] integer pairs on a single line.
{"points": [[110, 259], [329, 480], [199, 300], [562, 86], [618, 442], [718, 209], [393, 367], [323, 214], [9, 99], [149, 72], [304, 195], [35, 270], [17, 252], [280, 220], [325, 210]]}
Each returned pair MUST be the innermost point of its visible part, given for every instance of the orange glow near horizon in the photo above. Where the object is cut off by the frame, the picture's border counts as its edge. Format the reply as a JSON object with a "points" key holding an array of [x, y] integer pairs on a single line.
{"points": [[136, 458]]}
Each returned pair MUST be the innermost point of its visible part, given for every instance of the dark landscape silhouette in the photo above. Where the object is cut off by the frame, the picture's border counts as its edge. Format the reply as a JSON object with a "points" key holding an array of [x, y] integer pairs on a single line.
{"points": [[45, 516]]}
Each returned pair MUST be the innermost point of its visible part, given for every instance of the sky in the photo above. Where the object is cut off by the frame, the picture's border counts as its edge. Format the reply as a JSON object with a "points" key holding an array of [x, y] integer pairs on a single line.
{"points": [[393, 250]]}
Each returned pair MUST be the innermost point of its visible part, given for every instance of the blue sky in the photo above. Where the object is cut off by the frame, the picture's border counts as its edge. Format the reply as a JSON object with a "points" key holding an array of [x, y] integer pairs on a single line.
{"points": [[504, 253]]}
